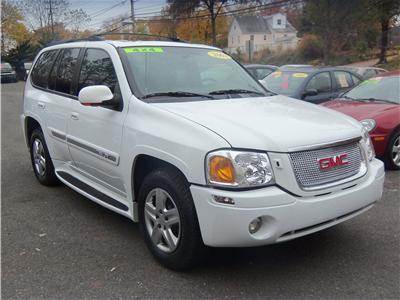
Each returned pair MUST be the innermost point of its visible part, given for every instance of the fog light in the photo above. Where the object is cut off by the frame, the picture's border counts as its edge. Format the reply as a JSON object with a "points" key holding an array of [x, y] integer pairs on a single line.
{"points": [[255, 225], [224, 200]]}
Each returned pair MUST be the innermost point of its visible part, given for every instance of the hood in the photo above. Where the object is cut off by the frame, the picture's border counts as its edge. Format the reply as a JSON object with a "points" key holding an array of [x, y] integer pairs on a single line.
{"points": [[276, 123], [360, 110]]}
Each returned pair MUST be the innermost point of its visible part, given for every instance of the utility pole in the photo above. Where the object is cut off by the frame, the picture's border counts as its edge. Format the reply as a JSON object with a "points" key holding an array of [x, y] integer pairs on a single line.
{"points": [[133, 15], [51, 18]]}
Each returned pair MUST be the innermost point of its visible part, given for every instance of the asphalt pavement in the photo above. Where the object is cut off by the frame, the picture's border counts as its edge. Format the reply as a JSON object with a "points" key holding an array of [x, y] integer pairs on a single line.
{"points": [[56, 244]]}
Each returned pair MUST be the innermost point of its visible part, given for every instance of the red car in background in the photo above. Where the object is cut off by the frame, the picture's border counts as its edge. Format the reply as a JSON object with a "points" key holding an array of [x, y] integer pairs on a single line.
{"points": [[376, 104]]}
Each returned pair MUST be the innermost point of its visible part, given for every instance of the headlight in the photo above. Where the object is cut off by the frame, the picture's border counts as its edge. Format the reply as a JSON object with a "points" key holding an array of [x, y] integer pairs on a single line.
{"points": [[369, 124], [369, 147], [238, 169]]}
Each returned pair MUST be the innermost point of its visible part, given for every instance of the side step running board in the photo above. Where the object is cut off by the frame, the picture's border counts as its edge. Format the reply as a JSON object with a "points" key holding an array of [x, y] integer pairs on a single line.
{"points": [[92, 191]]}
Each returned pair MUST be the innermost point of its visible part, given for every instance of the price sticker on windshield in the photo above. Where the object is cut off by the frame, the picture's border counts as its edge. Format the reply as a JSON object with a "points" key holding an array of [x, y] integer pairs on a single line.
{"points": [[372, 80], [219, 55], [144, 50]]}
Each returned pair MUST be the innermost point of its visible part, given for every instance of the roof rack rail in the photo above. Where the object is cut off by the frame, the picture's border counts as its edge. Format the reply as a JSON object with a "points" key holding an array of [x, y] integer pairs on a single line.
{"points": [[173, 39], [90, 38]]}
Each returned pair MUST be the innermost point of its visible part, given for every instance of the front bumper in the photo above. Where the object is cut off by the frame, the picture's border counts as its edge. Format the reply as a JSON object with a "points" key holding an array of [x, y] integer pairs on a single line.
{"points": [[284, 216]]}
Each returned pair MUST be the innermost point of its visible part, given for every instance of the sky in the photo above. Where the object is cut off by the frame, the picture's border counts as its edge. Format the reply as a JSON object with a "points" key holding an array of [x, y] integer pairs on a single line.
{"points": [[102, 10]]}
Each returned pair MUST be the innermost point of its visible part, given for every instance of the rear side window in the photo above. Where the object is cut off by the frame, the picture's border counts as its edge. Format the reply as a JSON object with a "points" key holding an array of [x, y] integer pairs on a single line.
{"points": [[41, 70], [97, 69], [62, 75], [343, 79]]}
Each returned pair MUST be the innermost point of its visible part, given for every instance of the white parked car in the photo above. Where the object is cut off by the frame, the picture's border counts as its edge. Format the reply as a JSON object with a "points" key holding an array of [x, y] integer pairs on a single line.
{"points": [[180, 138]]}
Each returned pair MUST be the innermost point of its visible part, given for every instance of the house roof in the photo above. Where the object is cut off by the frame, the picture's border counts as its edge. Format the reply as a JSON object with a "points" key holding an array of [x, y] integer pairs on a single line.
{"points": [[260, 24]]}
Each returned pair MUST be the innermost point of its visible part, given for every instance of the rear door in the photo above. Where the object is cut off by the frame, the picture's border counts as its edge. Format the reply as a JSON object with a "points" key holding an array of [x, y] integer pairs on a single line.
{"points": [[95, 132], [53, 105]]}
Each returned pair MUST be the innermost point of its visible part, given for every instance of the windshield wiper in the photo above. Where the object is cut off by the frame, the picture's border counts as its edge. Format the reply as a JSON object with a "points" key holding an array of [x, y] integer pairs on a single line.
{"points": [[235, 91], [177, 94], [375, 100]]}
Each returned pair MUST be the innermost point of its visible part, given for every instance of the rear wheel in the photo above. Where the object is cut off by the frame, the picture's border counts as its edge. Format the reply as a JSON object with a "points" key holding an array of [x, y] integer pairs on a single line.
{"points": [[168, 219], [41, 161], [393, 152]]}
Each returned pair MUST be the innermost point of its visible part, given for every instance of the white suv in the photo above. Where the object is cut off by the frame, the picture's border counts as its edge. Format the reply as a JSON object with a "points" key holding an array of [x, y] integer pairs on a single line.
{"points": [[180, 138]]}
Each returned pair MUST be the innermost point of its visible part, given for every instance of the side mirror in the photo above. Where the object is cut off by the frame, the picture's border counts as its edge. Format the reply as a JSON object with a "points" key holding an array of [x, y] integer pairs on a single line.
{"points": [[310, 92], [95, 95]]}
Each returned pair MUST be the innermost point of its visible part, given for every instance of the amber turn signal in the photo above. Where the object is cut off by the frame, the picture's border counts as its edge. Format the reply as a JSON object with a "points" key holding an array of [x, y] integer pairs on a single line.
{"points": [[221, 170]]}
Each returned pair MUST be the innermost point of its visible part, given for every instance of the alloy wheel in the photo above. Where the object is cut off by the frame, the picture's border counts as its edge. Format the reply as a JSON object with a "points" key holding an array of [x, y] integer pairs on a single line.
{"points": [[162, 220], [396, 152], [39, 158]]}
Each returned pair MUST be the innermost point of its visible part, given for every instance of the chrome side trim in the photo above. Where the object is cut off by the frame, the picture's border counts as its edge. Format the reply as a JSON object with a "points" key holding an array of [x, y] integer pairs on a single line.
{"points": [[325, 145], [58, 134], [98, 152]]}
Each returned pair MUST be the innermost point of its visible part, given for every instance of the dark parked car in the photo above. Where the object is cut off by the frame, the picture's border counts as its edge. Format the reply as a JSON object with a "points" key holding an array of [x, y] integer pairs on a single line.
{"points": [[8, 73], [260, 71], [311, 84], [376, 104]]}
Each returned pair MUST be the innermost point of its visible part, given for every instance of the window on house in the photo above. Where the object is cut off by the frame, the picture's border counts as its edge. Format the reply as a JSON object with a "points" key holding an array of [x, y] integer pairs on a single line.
{"points": [[252, 37], [279, 22], [265, 37]]}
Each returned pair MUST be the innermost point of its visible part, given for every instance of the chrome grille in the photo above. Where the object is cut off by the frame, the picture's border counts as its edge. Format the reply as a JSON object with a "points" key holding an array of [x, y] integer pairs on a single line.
{"points": [[307, 170]]}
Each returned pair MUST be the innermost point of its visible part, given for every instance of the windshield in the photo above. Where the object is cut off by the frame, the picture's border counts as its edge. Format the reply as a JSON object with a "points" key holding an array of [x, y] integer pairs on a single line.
{"points": [[377, 88], [284, 82], [188, 72]]}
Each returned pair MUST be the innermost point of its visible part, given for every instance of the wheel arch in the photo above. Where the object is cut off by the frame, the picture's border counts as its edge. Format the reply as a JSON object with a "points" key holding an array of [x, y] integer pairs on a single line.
{"points": [[142, 165], [30, 125]]}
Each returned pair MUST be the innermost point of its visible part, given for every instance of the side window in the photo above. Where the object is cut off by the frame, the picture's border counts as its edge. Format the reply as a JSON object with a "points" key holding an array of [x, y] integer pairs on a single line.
{"points": [[97, 69], [66, 70], [41, 70], [320, 82], [343, 79]]}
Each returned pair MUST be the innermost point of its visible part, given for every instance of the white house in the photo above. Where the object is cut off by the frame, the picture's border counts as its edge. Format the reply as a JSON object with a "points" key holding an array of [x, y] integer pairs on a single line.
{"points": [[267, 32]]}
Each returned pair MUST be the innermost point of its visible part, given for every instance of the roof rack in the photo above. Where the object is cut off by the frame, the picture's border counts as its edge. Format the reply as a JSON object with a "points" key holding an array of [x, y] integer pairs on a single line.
{"points": [[173, 39], [99, 37], [90, 38]]}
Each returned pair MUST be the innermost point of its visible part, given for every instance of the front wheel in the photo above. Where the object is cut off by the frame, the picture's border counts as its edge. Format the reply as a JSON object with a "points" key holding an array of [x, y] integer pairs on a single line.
{"points": [[392, 158], [168, 219]]}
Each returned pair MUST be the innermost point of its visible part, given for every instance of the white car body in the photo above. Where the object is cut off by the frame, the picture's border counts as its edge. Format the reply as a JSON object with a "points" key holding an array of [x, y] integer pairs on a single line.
{"points": [[99, 148]]}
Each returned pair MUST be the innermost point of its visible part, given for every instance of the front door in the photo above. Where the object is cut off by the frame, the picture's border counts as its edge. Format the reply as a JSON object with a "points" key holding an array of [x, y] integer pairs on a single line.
{"points": [[95, 132]]}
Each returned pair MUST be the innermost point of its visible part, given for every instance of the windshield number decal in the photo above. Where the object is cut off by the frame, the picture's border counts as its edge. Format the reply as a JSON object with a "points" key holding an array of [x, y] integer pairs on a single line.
{"points": [[218, 54], [144, 50], [300, 75]]}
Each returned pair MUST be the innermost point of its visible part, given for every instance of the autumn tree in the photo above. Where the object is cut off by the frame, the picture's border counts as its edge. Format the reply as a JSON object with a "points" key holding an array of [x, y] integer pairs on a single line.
{"points": [[12, 27], [214, 7]]}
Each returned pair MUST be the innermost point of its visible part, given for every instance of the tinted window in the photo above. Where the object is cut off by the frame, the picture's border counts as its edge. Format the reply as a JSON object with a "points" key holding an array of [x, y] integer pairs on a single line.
{"points": [[320, 82], [41, 70], [369, 73], [262, 73], [343, 79], [66, 70], [53, 73], [97, 69]]}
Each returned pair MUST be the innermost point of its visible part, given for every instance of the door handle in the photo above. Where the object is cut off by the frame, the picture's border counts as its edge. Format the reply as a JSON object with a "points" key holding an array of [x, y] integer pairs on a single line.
{"points": [[74, 116], [41, 105]]}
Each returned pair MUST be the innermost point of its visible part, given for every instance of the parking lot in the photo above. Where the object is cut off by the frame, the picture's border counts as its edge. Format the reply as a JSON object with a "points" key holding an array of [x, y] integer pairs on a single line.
{"points": [[58, 244]]}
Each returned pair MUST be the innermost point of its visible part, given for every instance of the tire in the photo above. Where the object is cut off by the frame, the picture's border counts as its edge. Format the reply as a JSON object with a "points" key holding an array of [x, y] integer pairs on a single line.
{"points": [[187, 246], [392, 158], [41, 160]]}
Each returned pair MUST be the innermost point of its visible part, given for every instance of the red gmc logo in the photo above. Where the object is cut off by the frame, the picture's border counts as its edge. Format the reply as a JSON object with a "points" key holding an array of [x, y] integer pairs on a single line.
{"points": [[327, 163]]}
